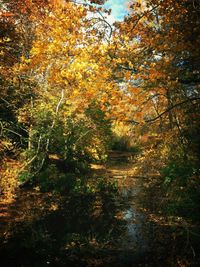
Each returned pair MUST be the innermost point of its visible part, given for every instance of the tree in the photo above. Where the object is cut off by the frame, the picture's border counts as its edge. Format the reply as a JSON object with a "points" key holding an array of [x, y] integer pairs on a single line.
{"points": [[160, 64], [68, 70], [16, 36]]}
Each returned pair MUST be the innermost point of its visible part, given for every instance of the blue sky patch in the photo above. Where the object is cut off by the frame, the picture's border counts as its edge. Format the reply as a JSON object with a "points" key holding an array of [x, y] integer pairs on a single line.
{"points": [[119, 8]]}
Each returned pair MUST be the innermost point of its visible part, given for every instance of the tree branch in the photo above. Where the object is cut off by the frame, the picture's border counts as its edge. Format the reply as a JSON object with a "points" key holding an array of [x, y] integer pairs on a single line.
{"points": [[143, 15], [172, 107], [166, 111]]}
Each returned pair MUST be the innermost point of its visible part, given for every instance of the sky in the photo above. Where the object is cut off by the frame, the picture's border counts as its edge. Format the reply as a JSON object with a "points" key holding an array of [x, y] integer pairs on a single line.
{"points": [[119, 9]]}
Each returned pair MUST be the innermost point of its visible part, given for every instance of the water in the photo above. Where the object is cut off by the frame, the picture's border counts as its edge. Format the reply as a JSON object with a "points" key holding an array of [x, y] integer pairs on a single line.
{"points": [[134, 237], [82, 229]]}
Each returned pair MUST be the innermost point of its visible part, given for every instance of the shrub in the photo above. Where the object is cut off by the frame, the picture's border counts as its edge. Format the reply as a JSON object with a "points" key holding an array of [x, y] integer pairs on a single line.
{"points": [[180, 171], [181, 186], [50, 179], [75, 140], [123, 143]]}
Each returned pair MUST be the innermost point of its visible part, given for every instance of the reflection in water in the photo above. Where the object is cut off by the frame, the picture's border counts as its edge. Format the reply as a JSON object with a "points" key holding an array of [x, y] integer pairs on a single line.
{"points": [[134, 236], [101, 228], [135, 233]]}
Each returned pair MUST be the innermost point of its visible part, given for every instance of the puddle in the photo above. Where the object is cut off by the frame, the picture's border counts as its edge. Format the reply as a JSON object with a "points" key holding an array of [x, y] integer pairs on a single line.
{"points": [[135, 219], [85, 227]]}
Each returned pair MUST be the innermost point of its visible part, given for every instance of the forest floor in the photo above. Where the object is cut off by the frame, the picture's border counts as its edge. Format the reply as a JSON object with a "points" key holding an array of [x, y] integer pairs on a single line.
{"points": [[127, 228]]}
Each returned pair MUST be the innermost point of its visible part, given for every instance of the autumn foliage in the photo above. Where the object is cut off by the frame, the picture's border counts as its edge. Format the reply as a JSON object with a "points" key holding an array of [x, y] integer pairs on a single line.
{"points": [[95, 117], [67, 77]]}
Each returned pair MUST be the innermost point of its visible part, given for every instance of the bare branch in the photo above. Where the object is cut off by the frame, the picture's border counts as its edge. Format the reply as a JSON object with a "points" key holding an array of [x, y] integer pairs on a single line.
{"points": [[166, 111], [172, 107]]}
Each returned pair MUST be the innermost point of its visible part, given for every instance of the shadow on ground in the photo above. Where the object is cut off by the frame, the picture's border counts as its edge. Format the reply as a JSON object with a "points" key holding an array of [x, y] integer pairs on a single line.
{"points": [[75, 230], [122, 226]]}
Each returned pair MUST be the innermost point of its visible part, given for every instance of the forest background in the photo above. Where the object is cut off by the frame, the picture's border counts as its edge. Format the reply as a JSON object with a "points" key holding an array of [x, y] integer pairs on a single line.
{"points": [[74, 86]]}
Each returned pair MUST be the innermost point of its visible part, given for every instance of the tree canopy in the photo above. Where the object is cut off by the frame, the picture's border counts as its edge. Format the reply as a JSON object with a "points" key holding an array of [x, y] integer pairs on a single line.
{"points": [[68, 78]]}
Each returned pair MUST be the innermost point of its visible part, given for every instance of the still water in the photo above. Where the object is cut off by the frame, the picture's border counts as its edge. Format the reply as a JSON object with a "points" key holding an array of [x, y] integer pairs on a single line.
{"points": [[106, 227]]}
